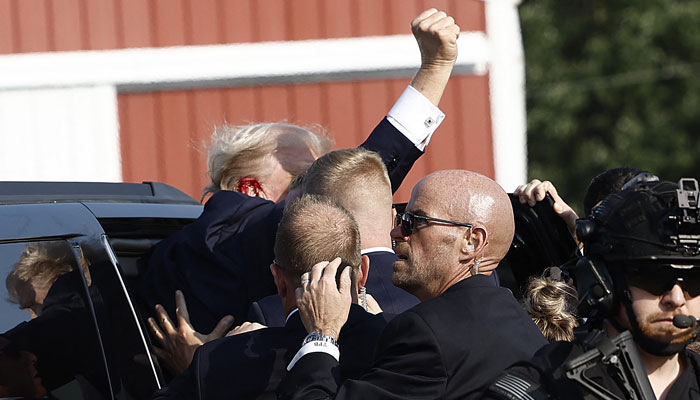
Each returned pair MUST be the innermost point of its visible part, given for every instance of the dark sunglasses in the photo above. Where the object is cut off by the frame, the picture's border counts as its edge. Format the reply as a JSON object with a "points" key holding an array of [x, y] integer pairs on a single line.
{"points": [[661, 280], [407, 222]]}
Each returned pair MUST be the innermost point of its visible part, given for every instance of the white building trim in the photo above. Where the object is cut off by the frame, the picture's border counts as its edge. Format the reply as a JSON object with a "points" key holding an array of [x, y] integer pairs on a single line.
{"points": [[187, 67], [67, 134], [507, 93]]}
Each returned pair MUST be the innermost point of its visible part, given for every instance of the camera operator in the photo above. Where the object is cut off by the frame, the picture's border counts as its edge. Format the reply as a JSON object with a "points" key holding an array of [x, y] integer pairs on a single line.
{"points": [[641, 273]]}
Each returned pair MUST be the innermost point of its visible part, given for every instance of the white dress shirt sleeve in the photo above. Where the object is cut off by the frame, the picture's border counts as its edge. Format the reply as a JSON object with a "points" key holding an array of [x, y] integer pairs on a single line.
{"points": [[415, 117], [315, 347]]}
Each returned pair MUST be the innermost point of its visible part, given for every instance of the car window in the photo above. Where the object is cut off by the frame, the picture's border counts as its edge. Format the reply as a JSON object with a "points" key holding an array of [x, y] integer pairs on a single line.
{"points": [[69, 328], [49, 342], [124, 336]]}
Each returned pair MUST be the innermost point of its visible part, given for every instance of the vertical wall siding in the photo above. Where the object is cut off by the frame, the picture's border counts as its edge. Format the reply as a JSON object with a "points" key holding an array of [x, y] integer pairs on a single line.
{"points": [[163, 133]]}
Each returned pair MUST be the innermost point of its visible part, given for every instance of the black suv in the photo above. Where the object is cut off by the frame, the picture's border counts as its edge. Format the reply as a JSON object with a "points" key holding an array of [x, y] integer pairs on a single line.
{"points": [[68, 254]]}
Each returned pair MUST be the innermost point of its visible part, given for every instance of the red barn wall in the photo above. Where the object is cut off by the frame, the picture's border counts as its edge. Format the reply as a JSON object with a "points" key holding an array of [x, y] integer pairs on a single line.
{"points": [[163, 133]]}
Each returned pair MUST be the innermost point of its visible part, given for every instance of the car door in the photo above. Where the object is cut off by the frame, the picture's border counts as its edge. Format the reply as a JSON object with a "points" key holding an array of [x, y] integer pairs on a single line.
{"points": [[70, 328]]}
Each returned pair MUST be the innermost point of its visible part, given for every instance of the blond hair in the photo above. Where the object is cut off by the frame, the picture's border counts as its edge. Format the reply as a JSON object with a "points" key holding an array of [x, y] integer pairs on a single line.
{"points": [[237, 152], [342, 170], [552, 307], [39, 265]]}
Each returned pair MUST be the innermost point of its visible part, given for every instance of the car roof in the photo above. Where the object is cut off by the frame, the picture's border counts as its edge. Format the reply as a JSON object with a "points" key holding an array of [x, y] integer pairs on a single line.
{"points": [[17, 192]]}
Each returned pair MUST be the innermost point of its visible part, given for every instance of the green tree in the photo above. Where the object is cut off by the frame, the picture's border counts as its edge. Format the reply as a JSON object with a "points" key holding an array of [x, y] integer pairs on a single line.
{"points": [[609, 84]]}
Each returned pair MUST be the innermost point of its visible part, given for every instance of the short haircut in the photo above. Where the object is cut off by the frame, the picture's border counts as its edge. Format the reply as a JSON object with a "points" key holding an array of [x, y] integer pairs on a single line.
{"points": [[341, 171], [39, 265], [606, 183], [315, 229], [237, 152], [552, 307]]}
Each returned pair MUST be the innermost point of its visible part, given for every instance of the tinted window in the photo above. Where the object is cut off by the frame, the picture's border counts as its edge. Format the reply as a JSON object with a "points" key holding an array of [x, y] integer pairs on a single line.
{"points": [[49, 341]]}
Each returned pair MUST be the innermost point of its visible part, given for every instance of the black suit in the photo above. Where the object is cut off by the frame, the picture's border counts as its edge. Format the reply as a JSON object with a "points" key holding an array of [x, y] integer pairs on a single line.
{"points": [[221, 261], [251, 365], [450, 347], [269, 311]]}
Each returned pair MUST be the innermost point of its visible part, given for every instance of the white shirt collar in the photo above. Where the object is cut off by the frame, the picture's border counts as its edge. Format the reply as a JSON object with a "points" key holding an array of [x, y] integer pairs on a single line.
{"points": [[373, 249], [290, 314]]}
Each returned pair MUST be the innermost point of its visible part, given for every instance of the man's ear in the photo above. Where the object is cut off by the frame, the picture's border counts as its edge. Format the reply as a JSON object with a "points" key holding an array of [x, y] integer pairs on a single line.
{"points": [[251, 187], [473, 241], [364, 270], [280, 282]]}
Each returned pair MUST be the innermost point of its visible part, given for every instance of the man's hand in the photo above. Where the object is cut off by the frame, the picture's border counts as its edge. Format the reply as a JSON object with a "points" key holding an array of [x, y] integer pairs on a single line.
{"points": [[245, 327], [372, 306], [323, 305], [436, 34], [179, 344], [535, 191]]}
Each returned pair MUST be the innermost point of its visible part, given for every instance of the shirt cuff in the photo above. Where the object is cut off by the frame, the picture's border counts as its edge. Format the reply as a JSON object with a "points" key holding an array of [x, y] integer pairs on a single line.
{"points": [[415, 117], [316, 346]]}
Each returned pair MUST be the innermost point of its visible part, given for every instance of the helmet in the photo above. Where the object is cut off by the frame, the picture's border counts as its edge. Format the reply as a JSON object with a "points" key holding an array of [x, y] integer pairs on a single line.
{"points": [[650, 228], [648, 224]]}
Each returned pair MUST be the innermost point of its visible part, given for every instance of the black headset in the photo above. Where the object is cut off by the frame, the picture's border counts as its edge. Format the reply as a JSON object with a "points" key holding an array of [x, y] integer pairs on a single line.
{"points": [[598, 295]]}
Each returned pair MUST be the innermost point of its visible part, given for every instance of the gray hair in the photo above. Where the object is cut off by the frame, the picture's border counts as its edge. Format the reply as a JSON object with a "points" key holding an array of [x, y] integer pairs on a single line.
{"points": [[237, 152]]}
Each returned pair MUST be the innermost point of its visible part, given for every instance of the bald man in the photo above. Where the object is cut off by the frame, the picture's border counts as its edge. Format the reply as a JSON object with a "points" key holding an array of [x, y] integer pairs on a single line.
{"points": [[457, 226]]}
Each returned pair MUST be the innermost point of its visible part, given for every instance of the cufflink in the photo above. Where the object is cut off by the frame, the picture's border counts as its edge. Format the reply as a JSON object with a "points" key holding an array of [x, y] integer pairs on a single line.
{"points": [[429, 122]]}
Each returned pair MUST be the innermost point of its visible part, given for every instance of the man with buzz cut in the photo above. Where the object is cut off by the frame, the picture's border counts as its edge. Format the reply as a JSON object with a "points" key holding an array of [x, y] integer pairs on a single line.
{"points": [[457, 227], [639, 287], [250, 365], [358, 180]]}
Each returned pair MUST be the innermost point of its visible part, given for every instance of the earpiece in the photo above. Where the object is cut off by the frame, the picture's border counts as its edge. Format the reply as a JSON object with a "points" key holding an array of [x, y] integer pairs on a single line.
{"points": [[470, 247]]}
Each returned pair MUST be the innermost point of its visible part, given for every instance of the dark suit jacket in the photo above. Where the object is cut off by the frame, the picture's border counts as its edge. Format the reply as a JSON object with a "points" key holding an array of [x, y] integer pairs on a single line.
{"points": [[221, 261], [450, 347], [251, 365], [269, 311]]}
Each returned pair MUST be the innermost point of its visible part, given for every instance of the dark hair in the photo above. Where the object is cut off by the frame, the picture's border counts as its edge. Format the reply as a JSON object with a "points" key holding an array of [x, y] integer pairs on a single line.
{"points": [[606, 183]]}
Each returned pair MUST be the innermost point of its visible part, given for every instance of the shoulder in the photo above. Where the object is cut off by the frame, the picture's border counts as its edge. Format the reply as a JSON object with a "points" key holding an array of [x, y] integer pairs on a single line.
{"points": [[540, 376]]}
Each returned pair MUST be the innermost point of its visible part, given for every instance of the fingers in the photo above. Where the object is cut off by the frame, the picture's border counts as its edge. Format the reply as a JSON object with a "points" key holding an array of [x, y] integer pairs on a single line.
{"points": [[221, 328], [181, 308], [316, 272], [331, 269], [422, 16], [372, 305], [245, 327], [164, 319], [345, 284], [534, 191], [153, 325]]}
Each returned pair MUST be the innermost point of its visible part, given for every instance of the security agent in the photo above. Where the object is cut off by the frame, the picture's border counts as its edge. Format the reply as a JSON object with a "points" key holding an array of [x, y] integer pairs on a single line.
{"points": [[639, 287]]}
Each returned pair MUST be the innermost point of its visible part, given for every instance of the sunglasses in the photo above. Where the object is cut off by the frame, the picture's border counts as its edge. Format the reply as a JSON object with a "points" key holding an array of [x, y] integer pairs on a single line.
{"points": [[660, 280], [407, 220]]}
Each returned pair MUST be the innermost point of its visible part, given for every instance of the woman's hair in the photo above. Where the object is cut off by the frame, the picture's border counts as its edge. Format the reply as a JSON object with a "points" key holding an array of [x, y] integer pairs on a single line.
{"points": [[552, 306]]}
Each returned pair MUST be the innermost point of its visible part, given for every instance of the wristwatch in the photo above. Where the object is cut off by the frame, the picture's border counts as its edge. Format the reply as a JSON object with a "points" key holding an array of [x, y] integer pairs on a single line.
{"points": [[319, 337]]}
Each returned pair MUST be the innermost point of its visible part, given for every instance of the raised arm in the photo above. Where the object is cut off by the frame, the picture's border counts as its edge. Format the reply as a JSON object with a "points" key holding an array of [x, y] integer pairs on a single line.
{"points": [[401, 138], [436, 34]]}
